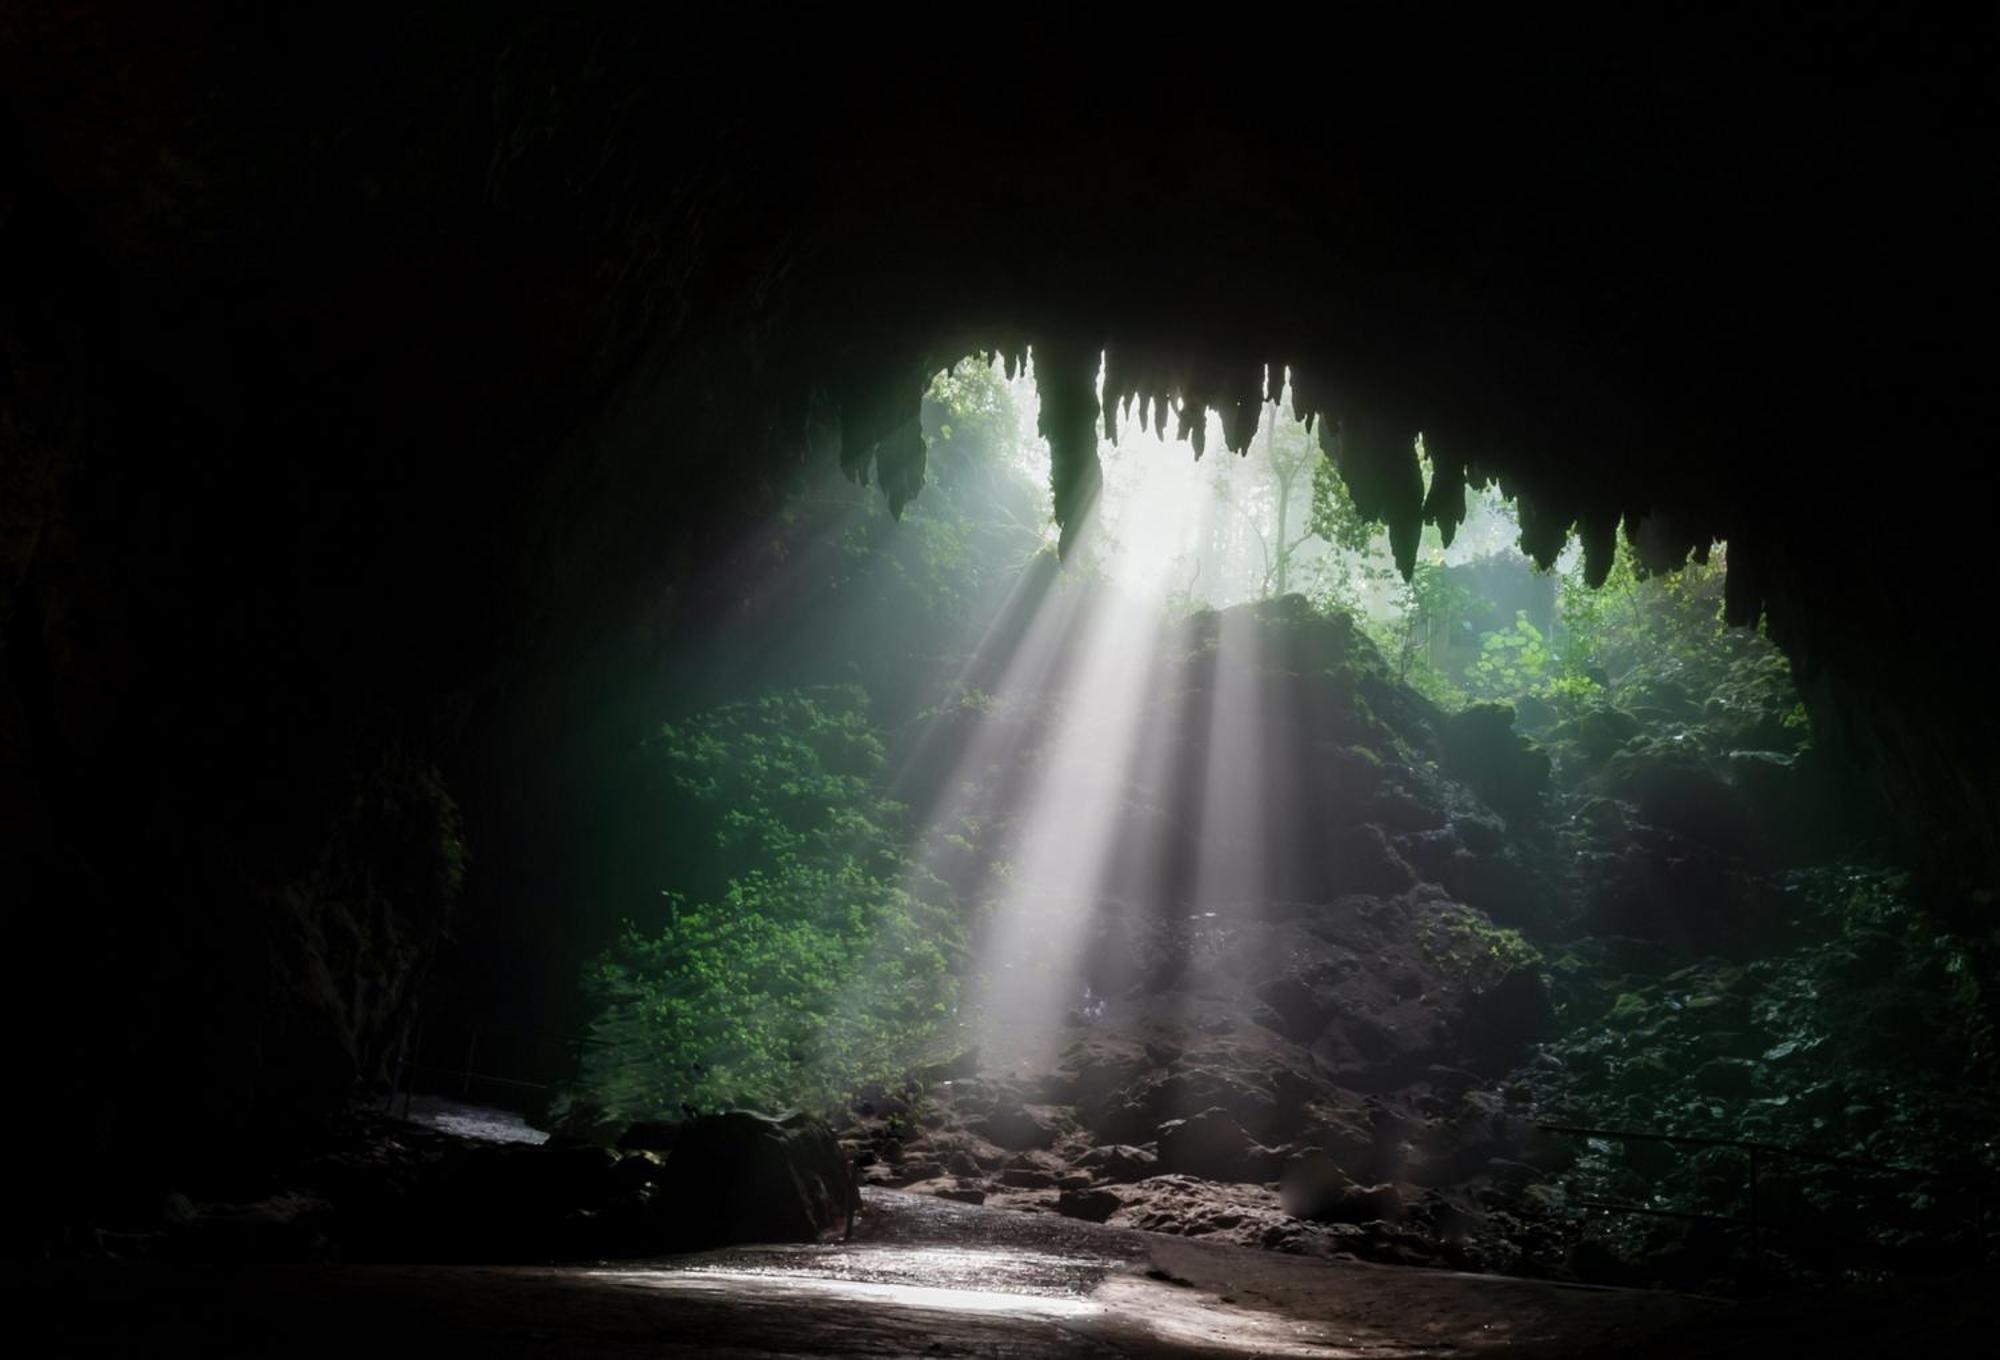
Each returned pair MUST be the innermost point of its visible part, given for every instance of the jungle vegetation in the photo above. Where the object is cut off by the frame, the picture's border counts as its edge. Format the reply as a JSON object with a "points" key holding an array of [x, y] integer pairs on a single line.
{"points": [[792, 943]]}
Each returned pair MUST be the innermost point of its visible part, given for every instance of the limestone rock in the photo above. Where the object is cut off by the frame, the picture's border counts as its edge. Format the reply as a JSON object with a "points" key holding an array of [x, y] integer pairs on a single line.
{"points": [[1314, 1186], [743, 1177], [1091, 1205], [1214, 1145], [1119, 1162], [1019, 1127]]}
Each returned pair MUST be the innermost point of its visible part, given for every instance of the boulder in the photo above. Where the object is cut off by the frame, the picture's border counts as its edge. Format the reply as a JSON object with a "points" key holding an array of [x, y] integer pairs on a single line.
{"points": [[1598, 732], [1399, 810], [1119, 1162], [1213, 1145], [744, 1177], [1676, 790], [1361, 860], [1312, 1185], [1098, 1065], [1027, 1178], [1248, 1215], [1480, 835], [1233, 1077], [1481, 747], [1093, 1206], [910, 1170], [1018, 1127]]}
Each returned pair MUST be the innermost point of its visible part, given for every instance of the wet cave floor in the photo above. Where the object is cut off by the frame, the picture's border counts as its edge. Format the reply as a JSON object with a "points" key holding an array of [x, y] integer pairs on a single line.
{"points": [[921, 1277]]}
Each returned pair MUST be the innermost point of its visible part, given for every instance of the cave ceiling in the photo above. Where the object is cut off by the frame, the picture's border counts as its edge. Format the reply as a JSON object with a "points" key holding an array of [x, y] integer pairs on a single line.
{"points": [[499, 303]]}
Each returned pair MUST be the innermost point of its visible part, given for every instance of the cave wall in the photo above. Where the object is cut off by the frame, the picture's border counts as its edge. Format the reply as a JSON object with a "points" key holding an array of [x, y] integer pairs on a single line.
{"points": [[378, 385]]}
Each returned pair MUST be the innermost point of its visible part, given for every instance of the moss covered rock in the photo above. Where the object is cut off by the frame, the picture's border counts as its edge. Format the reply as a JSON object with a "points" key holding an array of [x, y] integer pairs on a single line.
{"points": [[1510, 772]]}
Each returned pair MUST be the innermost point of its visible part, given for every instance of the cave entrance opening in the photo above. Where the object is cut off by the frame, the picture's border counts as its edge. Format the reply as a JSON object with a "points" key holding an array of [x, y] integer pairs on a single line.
{"points": [[927, 791]]}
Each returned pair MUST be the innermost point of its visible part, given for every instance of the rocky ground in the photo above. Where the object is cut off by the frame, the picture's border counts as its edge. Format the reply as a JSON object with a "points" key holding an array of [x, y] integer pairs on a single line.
{"points": [[1631, 910], [1328, 1083], [923, 1277], [1305, 1028], [920, 1277]]}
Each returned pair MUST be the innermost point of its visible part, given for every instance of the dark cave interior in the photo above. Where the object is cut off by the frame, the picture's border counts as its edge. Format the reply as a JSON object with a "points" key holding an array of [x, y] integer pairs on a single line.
{"points": [[383, 396]]}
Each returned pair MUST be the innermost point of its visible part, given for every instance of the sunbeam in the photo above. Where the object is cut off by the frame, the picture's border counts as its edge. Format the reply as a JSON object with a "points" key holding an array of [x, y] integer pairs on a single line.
{"points": [[1082, 692], [1232, 854]]}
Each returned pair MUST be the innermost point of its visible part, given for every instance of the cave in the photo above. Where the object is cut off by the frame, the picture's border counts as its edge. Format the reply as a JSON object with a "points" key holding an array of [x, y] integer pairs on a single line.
{"points": [[421, 427]]}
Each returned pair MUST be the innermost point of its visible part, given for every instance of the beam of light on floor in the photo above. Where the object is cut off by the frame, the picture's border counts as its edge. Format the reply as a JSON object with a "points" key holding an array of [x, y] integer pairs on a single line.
{"points": [[1113, 1304], [1230, 861], [1073, 813], [1058, 782], [1064, 841]]}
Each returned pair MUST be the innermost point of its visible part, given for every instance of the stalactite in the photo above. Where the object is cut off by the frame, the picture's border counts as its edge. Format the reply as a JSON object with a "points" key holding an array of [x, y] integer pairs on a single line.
{"points": [[899, 462], [875, 413], [1190, 415], [1743, 589], [1544, 529], [1307, 399], [1598, 531], [1660, 542], [881, 426], [1242, 408], [1444, 506], [1380, 468], [1194, 426], [1066, 379], [1117, 391]]}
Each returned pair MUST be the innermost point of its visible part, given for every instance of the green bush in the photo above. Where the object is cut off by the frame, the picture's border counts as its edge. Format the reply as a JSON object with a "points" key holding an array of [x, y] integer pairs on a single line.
{"points": [[816, 957]]}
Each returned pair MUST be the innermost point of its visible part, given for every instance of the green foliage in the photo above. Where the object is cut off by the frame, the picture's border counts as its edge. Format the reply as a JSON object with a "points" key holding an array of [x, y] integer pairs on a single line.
{"points": [[1332, 516], [1466, 942], [813, 955], [1642, 630], [790, 776], [1512, 661], [975, 523], [1868, 1037], [1654, 643]]}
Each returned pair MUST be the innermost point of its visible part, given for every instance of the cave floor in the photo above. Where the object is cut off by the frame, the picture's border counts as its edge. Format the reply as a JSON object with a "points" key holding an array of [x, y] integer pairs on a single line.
{"points": [[921, 1277]]}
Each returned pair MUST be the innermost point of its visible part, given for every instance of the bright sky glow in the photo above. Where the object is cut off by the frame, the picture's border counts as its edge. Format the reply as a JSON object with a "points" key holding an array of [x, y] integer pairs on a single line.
{"points": [[1177, 529]]}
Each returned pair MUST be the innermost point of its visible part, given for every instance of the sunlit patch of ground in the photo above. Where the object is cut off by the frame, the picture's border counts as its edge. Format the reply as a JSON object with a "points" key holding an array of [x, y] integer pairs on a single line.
{"points": [[994, 1270], [922, 1277], [471, 1121], [1133, 1293]]}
